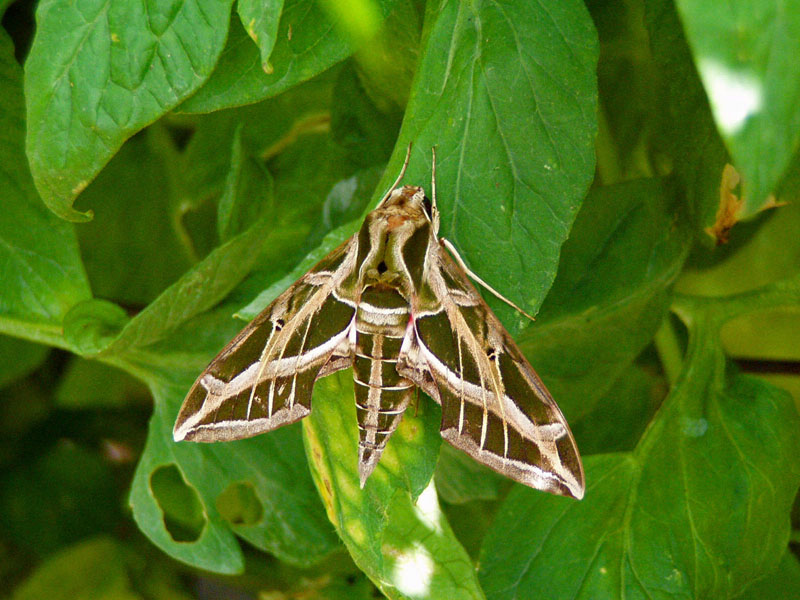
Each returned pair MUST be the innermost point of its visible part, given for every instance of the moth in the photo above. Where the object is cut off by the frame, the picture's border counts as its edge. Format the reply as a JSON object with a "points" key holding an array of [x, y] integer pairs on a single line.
{"points": [[394, 304]]}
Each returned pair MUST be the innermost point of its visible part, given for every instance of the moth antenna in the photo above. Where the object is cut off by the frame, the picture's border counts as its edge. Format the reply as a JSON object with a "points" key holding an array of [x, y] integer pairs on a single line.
{"points": [[400, 176], [433, 175], [477, 279], [434, 209]]}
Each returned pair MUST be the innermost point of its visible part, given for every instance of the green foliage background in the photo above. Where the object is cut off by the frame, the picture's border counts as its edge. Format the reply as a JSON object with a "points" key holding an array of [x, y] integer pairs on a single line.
{"points": [[167, 168]]}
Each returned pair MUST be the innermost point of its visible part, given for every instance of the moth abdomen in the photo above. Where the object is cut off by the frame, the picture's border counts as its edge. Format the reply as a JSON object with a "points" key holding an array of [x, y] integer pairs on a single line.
{"points": [[382, 394]]}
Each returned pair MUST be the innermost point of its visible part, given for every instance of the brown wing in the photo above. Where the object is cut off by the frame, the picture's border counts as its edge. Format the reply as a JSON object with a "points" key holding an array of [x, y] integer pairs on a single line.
{"points": [[494, 406], [264, 378]]}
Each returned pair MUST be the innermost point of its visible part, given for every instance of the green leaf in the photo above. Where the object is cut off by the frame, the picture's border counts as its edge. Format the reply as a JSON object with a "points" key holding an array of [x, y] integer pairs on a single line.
{"points": [[628, 100], [408, 550], [24, 408], [318, 185], [215, 276], [357, 123], [779, 584], [767, 335], [334, 578], [332, 445], [611, 292], [99, 71], [514, 143], [650, 524], [267, 128], [91, 570], [620, 417], [88, 384], [18, 358], [460, 478], [307, 44], [247, 195], [298, 178], [760, 252], [745, 56], [42, 274], [325, 247], [345, 203], [358, 19], [292, 525], [89, 327], [43, 499], [387, 61], [200, 288], [184, 515], [260, 20], [133, 203], [532, 532], [686, 132], [422, 557], [306, 175], [470, 522]]}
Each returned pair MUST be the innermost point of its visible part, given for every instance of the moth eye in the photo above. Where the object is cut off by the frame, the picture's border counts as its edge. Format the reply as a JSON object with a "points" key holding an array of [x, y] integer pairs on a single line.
{"points": [[426, 204]]}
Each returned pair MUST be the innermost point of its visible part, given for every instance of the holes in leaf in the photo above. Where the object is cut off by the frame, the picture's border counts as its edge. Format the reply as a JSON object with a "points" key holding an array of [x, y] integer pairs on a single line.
{"points": [[180, 505], [239, 504]]}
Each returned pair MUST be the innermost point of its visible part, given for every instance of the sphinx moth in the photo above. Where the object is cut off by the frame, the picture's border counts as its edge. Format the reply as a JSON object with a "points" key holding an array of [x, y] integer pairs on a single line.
{"points": [[393, 304]]}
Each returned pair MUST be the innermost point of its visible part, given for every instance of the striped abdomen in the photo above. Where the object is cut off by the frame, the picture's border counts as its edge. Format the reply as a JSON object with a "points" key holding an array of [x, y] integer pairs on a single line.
{"points": [[382, 395]]}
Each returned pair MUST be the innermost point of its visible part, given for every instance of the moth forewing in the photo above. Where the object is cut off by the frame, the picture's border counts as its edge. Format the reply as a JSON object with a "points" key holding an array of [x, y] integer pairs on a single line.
{"points": [[494, 406], [394, 305], [264, 377]]}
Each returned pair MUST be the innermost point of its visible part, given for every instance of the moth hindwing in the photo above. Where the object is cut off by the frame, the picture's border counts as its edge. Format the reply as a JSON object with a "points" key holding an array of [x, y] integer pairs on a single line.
{"points": [[394, 305]]}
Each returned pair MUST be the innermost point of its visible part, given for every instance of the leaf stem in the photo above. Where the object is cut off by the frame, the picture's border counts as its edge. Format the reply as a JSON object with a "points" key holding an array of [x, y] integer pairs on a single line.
{"points": [[785, 292], [608, 168], [50, 335], [669, 349], [314, 123]]}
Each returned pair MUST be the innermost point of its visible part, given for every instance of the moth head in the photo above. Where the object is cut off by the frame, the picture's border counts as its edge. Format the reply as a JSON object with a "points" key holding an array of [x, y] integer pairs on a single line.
{"points": [[409, 203], [406, 203]]}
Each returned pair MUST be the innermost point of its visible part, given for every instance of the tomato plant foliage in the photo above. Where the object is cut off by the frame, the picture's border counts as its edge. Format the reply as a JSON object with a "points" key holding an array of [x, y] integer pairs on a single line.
{"points": [[627, 171]]}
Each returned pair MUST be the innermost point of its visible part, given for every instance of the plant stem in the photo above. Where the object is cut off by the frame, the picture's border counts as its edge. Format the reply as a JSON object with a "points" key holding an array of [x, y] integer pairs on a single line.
{"points": [[669, 350]]}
